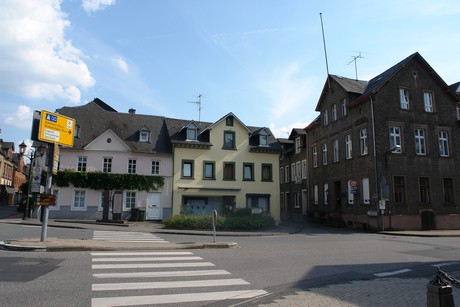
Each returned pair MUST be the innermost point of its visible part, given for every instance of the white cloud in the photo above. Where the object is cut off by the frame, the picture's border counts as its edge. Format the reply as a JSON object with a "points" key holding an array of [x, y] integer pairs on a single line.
{"points": [[121, 64], [285, 131], [37, 58], [94, 5], [21, 118]]}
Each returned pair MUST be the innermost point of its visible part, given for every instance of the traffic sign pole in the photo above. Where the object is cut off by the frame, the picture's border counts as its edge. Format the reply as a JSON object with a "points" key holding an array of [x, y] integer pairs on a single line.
{"points": [[49, 179]]}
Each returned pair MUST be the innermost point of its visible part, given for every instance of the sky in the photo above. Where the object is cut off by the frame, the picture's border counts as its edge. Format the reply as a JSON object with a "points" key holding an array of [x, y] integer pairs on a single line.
{"points": [[263, 60]]}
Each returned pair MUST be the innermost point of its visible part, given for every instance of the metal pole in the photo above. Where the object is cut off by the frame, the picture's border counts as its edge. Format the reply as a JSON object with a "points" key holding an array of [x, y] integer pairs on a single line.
{"points": [[49, 178]]}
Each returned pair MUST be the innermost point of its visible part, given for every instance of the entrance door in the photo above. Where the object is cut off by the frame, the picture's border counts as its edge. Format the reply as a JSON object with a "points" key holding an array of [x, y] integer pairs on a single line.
{"points": [[153, 206]]}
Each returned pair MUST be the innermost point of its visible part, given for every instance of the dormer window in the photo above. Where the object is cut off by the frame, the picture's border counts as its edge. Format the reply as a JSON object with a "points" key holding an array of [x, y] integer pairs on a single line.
{"points": [[144, 135], [191, 134], [263, 139]]}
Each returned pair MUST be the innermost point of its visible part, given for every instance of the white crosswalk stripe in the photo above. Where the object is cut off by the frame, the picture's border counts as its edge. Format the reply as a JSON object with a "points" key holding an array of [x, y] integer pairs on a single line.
{"points": [[162, 277], [127, 237]]}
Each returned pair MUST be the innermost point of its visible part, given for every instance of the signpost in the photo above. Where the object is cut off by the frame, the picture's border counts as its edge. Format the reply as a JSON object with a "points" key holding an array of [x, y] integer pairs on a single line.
{"points": [[56, 128]]}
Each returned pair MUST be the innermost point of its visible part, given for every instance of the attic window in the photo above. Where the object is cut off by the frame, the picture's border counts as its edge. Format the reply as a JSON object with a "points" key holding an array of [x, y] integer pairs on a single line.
{"points": [[191, 134], [229, 121], [143, 136], [263, 139]]}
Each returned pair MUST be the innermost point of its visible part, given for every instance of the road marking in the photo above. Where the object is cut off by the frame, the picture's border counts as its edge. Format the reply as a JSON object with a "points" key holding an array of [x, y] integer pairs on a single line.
{"points": [[126, 237], [135, 259], [384, 274], [168, 284], [139, 253], [444, 264], [174, 298], [162, 274], [151, 265]]}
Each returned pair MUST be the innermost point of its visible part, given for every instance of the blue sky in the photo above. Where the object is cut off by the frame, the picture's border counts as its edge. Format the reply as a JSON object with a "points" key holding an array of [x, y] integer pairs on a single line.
{"points": [[263, 60]]}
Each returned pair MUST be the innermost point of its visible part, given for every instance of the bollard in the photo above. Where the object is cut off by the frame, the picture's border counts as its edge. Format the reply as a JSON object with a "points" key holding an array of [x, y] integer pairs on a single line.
{"points": [[439, 294]]}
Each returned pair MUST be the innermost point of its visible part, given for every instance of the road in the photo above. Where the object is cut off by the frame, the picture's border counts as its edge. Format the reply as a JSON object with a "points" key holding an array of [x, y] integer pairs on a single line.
{"points": [[272, 264]]}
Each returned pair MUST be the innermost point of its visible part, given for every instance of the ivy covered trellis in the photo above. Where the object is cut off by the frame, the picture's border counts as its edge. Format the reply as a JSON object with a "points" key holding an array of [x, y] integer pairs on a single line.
{"points": [[106, 181]]}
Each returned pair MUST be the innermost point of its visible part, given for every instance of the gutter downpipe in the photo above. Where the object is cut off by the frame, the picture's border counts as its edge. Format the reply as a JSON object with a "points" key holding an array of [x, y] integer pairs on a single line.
{"points": [[379, 216]]}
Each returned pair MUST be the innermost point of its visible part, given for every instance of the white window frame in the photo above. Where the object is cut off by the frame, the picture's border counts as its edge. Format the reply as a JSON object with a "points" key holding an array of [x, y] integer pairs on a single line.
{"points": [[363, 147], [404, 98], [343, 107], [155, 167], [293, 173], [420, 143], [132, 166], [315, 156], [82, 164], [263, 139], [107, 164], [326, 193], [335, 150], [348, 147], [395, 139], [131, 198], [304, 169], [324, 151], [79, 196], [281, 174], [334, 113], [298, 145], [325, 118], [192, 134], [144, 136], [428, 99], [443, 141]]}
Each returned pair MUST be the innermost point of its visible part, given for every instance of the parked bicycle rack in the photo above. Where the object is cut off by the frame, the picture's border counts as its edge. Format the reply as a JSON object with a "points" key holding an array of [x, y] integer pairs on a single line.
{"points": [[439, 291]]}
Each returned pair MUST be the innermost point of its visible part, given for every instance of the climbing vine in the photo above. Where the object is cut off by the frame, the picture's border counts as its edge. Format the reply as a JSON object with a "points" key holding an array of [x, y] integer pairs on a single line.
{"points": [[107, 181]]}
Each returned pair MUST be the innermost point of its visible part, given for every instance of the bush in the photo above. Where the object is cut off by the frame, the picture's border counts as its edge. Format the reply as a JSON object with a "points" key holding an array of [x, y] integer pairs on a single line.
{"points": [[241, 219]]}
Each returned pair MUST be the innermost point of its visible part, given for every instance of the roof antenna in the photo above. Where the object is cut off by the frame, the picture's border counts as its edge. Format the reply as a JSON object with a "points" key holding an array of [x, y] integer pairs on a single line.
{"points": [[359, 56], [325, 52], [198, 103]]}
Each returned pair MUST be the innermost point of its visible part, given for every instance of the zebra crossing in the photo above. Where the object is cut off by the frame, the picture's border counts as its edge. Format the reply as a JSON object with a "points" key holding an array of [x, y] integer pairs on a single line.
{"points": [[154, 277], [127, 237]]}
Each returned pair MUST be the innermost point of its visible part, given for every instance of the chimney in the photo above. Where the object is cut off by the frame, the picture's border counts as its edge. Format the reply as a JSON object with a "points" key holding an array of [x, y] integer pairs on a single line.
{"points": [[132, 111]]}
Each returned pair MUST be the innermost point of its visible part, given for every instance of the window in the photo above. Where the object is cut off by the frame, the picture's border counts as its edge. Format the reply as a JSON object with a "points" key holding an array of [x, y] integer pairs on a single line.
{"points": [[326, 193], [191, 134], [293, 172], [209, 170], [420, 148], [399, 190], [334, 112], [281, 174], [297, 200], [448, 189], [248, 171], [363, 148], [298, 172], [263, 139], [304, 169], [348, 146], [286, 173], [229, 171], [424, 189], [258, 201], [395, 139], [229, 140], [107, 165], [132, 166], [335, 150], [404, 98], [325, 118], [366, 191], [81, 164], [187, 169], [130, 200], [155, 167], [266, 172], [315, 157], [315, 193], [343, 107], [298, 145], [79, 199], [443, 139], [428, 101], [143, 136], [324, 154], [229, 121]]}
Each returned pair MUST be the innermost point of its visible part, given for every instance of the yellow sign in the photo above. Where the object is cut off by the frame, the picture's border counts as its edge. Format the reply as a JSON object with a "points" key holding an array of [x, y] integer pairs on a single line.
{"points": [[46, 200], [56, 128]]}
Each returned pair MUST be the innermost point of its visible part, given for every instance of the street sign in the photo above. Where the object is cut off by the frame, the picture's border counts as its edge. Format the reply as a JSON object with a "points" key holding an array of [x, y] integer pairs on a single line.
{"points": [[46, 199], [36, 179], [56, 128]]}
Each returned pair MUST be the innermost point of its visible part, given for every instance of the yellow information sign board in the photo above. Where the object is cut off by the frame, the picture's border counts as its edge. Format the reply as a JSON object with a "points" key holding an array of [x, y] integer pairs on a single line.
{"points": [[56, 128]]}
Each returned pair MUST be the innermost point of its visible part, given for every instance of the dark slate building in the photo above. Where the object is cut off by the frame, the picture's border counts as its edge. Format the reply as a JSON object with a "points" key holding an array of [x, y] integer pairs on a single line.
{"points": [[386, 153]]}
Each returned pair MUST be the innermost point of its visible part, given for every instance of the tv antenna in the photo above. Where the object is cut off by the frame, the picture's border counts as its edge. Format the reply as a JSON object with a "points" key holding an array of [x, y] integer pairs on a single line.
{"points": [[198, 103], [355, 58]]}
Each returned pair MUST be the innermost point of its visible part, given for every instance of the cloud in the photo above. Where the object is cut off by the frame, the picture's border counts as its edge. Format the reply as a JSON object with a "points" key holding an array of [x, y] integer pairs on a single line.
{"points": [[94, 5], [285, 131], [121, 64], [21, 118], [37, 58]]}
